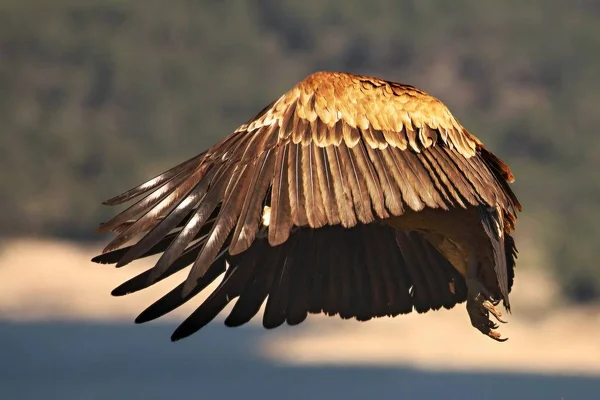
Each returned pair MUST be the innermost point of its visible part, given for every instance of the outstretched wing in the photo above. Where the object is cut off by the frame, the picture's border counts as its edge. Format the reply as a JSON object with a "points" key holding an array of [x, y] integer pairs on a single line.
{"points": [[337, 149]]}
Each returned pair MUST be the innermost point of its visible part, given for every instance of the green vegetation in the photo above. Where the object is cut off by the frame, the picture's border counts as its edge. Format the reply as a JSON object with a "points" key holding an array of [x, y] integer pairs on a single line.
{"points": [[99, 95]]}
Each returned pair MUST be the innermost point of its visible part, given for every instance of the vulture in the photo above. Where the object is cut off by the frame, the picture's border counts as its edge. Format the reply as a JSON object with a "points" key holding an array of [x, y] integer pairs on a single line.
{"points": [[349, 195]]}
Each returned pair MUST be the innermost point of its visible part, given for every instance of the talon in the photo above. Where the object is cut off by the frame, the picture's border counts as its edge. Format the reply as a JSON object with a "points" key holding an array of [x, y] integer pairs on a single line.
{"points": [[480, 304], [496, 336], [493, 310]]}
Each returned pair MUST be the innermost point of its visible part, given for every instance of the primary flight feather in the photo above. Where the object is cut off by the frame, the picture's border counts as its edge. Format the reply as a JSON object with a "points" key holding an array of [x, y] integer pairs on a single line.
{"points": [[349, 195]]}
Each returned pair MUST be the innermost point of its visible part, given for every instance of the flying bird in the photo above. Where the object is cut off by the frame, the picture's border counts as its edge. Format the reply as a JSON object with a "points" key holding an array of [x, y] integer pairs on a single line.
{"points": [[349, 195]]}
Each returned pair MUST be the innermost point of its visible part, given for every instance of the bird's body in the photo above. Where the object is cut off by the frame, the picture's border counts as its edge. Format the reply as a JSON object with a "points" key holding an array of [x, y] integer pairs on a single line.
{"points": [[348, 195], [455, 235]]}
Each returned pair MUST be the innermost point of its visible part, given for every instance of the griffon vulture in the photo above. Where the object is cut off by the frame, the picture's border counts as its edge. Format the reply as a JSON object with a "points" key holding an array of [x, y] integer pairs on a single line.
{"points": [[349, 195]]}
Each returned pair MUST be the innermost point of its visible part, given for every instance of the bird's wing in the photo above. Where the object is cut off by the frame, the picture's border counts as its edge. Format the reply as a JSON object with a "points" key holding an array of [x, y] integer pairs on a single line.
{"points": [[363, 272], [337, 149]]}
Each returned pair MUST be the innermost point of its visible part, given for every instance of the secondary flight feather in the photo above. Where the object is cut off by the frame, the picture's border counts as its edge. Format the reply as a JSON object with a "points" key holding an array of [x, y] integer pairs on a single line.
{"points": [[349, 195]]}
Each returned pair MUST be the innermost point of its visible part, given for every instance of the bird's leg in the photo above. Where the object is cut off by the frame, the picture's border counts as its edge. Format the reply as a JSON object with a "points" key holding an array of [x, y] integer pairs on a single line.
{"points": [[480, 304], [483, 296]]}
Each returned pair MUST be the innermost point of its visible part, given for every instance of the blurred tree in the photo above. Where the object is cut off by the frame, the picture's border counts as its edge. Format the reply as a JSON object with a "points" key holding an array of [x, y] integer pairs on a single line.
{"points": [[97, 95]]}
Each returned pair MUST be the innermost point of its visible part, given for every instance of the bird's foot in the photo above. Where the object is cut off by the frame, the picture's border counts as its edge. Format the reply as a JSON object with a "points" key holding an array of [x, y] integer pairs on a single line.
{"points": [[479, 306], [491, 307]]}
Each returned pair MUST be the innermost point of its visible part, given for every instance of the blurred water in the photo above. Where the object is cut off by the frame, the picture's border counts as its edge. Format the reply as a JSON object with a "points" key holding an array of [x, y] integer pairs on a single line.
{"points": [[99, 361]]}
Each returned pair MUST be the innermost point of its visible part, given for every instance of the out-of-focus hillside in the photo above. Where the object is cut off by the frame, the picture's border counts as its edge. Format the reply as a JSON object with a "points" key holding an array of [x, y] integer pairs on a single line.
{"points": [[100, 95], [52, 280]]}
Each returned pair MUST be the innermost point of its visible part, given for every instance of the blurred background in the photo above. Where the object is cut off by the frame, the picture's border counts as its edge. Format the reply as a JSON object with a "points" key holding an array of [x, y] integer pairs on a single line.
{"points": [[100, 95]]}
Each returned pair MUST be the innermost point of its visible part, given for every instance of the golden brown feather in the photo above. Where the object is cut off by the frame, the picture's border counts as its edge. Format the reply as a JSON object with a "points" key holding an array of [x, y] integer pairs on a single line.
{"points": [[380, 201]]}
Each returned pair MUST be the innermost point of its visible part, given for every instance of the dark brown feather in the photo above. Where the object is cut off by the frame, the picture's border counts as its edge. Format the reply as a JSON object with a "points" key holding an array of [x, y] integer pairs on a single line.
{"points": [[229, 289], [369, 176], [252, 207], [176, 298], [426, 281], [195, 225], [511, 256], [143, 205], [356, 185], [296, 186], [445, 179], [319, 266], [149, 220], [277, 302], [393, 198], [340, 185], [150, 277], [263, 264], [361, 295], [382, 296], [281, 209], [171, 221], [483, 190], [442, 190], [491, 219], [399, 273], [315, 212], [342, 276], [417, 177], [403, 179], [419, 289], [326, 186], [438, 288], [299, 292], [223, 225], [458, 178]]}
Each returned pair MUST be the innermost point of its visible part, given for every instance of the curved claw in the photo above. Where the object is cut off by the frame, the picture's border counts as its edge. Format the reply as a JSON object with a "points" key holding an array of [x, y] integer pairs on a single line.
{"points": [[479, 311], [492, 325], [493, 310], [496, 336]]}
